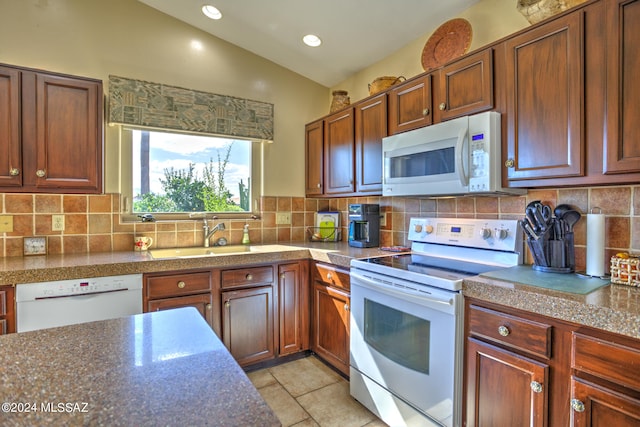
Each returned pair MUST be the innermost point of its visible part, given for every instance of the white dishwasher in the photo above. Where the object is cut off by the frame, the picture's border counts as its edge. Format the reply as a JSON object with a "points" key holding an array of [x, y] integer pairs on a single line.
{"points": [[67, 302]]}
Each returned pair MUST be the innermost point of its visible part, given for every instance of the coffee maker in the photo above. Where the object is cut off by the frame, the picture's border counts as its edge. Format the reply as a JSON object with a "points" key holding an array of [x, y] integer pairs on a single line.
{"points": [[364, 225]]}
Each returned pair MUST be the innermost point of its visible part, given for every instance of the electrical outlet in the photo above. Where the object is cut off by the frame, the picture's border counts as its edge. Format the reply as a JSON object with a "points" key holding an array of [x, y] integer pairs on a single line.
{"points": [[6, 223], [57, 222], [383, 219], [283, 218]]}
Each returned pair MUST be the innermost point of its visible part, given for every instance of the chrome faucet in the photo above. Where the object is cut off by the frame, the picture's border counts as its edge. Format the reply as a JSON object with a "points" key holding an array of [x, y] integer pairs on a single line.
{"points": [[210, 231]]}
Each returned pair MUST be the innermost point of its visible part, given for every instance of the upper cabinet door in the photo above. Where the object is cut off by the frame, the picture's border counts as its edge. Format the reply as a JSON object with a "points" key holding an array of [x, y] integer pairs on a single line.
{"points": [[10, 145], [545, 101], [466, 86], [623, 86], [69, 133], [371, 127], [339, 152], [410, 105], [314, 139]]}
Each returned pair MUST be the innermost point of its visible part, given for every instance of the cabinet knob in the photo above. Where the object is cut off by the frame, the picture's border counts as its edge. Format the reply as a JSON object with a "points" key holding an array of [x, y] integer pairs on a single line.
{"points": [[509, 163], [425, 112], [209, 306], [329, 276], [249, 277], [577, 405], [536, 387], [318, 185], [503, 330], [14, 171], [442, 106], [40, 173], [181, 284], [282, 276], [227, 304], [346, 307]]}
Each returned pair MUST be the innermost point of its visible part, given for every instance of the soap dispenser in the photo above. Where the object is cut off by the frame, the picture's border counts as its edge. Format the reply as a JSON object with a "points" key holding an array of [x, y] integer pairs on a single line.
{"points": [[245, 236]]}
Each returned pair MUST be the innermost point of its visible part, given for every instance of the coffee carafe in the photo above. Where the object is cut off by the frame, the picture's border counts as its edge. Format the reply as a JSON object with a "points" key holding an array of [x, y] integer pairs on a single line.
{"points": [[364, 225]]}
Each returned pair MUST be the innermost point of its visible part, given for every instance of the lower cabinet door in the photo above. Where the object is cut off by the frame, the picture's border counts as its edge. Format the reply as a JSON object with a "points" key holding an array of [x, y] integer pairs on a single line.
{"points": [[202, 302], [248, 324], [331, 326], [504, 389], [593, 405]]}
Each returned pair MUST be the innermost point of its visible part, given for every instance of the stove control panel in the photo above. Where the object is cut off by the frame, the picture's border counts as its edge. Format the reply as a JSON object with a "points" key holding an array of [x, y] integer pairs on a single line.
{"points": [[496, 234]]}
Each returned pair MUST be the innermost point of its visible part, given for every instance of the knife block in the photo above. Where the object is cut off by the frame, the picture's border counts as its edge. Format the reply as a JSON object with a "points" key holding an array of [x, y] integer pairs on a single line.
{"points": [[553, 255]]}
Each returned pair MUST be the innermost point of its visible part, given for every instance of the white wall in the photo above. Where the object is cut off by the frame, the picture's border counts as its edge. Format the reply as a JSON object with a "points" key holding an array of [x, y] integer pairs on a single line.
{"points": [[490, 20], [95, 38]]}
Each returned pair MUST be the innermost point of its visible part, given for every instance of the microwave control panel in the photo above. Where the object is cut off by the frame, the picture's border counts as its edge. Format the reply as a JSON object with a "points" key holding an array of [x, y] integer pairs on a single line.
{"points": [[484, 166]]}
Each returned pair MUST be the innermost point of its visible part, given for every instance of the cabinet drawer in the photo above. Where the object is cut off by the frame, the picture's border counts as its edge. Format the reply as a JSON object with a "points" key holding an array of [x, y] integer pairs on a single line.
{"points": [[511, 331], [331, 276], [247, 277], [177, 284], [608, 360]]}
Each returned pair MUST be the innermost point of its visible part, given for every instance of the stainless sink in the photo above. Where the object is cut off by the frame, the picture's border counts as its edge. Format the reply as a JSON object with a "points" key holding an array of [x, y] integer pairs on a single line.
{"points": [[198, 251]]}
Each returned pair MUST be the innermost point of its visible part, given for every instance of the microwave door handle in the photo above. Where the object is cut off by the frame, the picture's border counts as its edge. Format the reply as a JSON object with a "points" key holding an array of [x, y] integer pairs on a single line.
{"points": [[462, 174]]}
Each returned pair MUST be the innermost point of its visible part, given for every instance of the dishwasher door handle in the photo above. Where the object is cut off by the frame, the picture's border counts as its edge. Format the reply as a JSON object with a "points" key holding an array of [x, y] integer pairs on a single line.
{"points": [[79, 296]]}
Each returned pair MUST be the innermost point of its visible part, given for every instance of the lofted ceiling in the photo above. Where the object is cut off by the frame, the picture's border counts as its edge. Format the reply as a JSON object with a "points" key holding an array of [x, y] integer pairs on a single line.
{"points": [[355, 33]]}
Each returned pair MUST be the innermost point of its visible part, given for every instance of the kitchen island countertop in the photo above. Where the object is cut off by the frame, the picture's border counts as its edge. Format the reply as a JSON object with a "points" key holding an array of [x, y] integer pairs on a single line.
{"points": [[162, 368]]}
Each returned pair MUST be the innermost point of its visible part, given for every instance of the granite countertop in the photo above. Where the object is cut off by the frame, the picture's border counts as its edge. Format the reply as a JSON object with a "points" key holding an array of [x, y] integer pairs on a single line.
{"points": [[161, 368], [613, 308], [44, 268]]}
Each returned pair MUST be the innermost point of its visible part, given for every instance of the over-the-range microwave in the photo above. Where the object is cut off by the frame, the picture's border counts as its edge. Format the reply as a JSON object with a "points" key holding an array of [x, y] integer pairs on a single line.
{"points": [[457, 157]]}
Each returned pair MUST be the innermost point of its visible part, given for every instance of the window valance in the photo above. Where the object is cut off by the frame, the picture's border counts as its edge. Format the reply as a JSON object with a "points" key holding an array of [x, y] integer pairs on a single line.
{"points": [[142, 103]]}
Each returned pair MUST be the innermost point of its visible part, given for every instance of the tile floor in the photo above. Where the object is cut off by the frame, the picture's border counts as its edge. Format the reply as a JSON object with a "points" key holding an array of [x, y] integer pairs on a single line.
{"points": [[306, 392]]}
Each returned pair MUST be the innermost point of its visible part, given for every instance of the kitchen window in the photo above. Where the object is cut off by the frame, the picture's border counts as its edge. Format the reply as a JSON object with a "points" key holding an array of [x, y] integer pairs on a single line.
{"points": [[172, 174]]}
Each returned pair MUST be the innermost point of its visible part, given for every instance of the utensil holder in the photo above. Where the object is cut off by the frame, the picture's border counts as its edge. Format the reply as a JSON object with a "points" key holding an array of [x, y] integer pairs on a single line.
{"points": [[553, 252]]}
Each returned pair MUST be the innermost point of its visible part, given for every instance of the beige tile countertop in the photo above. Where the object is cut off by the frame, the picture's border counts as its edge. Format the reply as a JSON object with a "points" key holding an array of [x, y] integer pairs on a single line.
{"points": [[43, 268], [613, 308], [122, 372]]}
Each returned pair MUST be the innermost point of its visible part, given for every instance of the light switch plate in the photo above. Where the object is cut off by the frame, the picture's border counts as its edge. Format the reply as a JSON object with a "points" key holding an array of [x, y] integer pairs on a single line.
{"points": [[283, 218], [35, 245]]}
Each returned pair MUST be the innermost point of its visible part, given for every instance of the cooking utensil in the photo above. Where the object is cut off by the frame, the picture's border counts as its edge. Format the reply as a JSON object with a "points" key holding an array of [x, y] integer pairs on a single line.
{"points": [[560, 210], [570, 218]]}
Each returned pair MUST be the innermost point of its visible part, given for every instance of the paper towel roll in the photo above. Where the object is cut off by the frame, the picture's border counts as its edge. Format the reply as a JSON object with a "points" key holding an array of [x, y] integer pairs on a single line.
{"points": [[595, 245]]}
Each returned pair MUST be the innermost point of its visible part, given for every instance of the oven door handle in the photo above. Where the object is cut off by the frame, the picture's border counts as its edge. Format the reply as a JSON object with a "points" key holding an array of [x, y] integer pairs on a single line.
{"points": [[361, 280]]}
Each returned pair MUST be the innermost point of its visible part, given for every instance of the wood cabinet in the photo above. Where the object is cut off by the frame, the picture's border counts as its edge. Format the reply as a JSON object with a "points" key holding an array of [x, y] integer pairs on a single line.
{"points": [[544, 95], [52, 140], [623, 88], [314, 159], [199, 289], [604, 390], [293, 307], [331, 315], [466, 86], [410, 105], [370, 128], [506, 386], [248, 324], [344, 151], [7, 310], [525, 369], [339, 153]]}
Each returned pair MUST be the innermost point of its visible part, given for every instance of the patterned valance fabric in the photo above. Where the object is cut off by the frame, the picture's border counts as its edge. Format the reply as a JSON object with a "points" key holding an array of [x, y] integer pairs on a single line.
{"points": [[141, 103]]}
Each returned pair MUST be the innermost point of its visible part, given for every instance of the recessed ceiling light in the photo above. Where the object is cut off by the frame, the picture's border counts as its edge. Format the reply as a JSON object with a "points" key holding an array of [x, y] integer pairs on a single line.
{"points": [[211, 12], [312, 40]]}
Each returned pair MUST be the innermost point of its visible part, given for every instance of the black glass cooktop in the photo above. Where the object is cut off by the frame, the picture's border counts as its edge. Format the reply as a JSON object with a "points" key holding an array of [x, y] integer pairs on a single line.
{"points": [[425, 264]]}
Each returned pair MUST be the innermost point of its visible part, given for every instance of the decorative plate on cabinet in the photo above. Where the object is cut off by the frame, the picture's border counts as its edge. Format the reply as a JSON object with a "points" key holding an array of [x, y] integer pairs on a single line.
{"points": [[451, 40]]}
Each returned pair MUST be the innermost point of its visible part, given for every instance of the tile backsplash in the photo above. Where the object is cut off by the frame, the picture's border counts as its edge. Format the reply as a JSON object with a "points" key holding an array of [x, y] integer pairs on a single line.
{"points": [[93, 222]]}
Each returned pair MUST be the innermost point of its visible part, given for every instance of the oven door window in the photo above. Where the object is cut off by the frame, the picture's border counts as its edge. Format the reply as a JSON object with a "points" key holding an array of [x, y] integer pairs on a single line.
{"points": [[399, 336]]}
